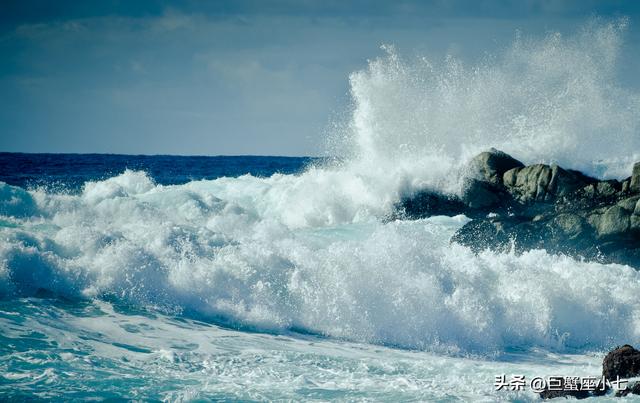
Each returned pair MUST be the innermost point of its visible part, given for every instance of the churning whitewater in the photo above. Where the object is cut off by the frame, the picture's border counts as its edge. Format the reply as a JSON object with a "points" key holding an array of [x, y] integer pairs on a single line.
{"points": [[312, 255]]}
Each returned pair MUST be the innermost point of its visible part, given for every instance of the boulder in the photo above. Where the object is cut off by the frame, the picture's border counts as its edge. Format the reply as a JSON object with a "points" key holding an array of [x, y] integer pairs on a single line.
{"points": [[571, 225], [623, 362], [478, 194], [491, 165], [607, 188], [544, 183], [482, 187], [482, 234], [614, 222], [564, 182], [528, 184]]}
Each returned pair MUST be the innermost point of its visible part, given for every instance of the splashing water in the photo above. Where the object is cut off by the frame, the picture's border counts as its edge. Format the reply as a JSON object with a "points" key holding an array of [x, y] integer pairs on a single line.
{"points": [[555, 100], [308, 253]]}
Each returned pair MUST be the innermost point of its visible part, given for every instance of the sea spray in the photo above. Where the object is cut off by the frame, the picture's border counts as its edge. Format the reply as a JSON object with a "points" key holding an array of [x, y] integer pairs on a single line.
{"points": [[215, 250], [551, 100], [312, 253]]}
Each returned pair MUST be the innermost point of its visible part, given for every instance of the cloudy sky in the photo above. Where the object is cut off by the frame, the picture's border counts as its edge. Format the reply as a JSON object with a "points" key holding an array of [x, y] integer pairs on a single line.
{"points": [[232, 77]]}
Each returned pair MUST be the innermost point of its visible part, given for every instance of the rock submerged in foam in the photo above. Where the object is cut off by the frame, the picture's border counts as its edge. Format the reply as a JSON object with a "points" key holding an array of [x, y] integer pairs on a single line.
{"points": [[540, 207]]}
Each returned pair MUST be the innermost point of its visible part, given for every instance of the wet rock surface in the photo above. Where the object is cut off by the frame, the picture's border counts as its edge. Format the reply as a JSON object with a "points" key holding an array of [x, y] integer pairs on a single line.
{"points": [[623, 362], [540, 206], [620, 363]]}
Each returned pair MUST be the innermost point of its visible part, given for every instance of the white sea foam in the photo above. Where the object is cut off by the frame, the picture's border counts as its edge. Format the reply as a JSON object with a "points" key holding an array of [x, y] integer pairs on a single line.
{"points": [[552, 100], [311, 252], [218, 248]]}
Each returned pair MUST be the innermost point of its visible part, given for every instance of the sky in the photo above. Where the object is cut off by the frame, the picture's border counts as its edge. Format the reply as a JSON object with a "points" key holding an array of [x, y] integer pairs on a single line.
{"points": [[233, 77]]}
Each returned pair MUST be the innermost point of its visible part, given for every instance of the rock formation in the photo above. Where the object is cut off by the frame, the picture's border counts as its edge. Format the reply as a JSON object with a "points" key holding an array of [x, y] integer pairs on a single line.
{"points": [[623, 362], [620, 363], [540, 206]]}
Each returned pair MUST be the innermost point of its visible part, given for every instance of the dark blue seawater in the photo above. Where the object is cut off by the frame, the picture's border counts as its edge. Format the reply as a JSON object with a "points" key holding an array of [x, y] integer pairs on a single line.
{"points": [[68, 172]]}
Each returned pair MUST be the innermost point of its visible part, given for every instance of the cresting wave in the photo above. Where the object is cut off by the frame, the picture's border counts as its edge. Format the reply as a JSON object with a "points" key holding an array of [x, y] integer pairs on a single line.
{"points": [[217, 248], [310, 252]]}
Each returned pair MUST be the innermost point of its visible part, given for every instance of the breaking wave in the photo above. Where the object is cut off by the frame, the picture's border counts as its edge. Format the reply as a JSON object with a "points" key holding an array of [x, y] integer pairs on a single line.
{"points": [[310, 252]]}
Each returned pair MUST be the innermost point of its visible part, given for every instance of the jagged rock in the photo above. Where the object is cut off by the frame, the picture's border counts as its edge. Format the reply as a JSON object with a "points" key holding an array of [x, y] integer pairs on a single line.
{"points": [[564, 182], [529, 183], [623, 362], [607, 188], [540, 206], [544, 183]]}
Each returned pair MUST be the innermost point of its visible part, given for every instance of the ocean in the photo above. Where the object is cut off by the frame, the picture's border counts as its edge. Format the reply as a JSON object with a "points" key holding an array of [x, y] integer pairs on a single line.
{"points": [[167, 278], [193, 278]]}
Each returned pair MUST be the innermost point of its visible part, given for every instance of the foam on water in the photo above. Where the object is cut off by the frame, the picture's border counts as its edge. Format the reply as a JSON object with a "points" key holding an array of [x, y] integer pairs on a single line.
{"points": [[310, 252], [235, 250], [137, 356]]}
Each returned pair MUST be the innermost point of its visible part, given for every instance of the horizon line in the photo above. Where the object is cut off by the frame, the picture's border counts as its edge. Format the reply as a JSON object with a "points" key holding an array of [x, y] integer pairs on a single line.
{"points": [[164, 155]]}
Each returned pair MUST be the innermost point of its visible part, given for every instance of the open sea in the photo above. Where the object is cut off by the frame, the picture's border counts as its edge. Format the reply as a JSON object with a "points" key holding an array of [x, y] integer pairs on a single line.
{"points": [[168, 278]]}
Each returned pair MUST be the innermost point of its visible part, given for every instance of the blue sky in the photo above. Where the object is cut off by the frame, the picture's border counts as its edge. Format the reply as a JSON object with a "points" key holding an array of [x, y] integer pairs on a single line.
{"points": [[232, 77]]}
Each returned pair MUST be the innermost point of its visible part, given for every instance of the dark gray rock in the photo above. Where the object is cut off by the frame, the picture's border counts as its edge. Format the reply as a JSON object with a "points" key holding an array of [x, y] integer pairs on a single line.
{"points": [[607, 188], [482, 187], [630, 204], [614, 222], [626, 185], [528, 184], [482, 234], [490, 166], [478, 194], [544, 183], [623, 362], [428, 203], [565, 182], [570, 225], [539, 206]]}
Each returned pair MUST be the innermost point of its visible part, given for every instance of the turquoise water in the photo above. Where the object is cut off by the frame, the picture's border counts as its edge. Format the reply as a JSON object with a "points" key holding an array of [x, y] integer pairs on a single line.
{"points": [[246, 288], [54, 349], [160, 278]]}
